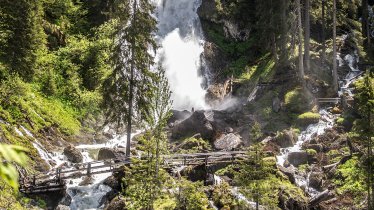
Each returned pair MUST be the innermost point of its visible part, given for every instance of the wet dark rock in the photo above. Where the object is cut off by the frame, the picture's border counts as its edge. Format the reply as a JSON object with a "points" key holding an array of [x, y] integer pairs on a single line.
{"points": [[229, 130], [227, 142], [73, 154], [118, 203], [298, 158]]}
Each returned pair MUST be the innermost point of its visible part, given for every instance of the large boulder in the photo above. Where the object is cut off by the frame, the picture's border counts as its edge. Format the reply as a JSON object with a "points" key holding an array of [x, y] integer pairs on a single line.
{"points": [[73, 154], [286, 138], [298, 158], [227, 142], [108, 153], [197, 123]]}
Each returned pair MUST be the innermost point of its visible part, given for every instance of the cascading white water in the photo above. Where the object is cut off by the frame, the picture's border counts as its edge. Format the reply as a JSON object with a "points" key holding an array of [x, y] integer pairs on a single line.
{"points": [[182, 44]]}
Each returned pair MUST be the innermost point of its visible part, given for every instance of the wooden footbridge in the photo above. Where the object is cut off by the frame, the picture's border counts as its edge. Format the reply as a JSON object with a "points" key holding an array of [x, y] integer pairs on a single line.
{"points": [[55, 180]]}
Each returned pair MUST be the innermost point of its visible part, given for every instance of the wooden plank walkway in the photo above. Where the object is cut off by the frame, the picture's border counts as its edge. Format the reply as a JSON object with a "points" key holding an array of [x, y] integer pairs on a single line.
{"points": [[55, 180]]}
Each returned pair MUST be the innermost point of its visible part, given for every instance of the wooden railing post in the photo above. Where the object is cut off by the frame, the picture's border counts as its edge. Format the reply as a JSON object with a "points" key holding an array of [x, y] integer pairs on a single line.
{"points": [[34, 180], [184, 161], [89, 169]]}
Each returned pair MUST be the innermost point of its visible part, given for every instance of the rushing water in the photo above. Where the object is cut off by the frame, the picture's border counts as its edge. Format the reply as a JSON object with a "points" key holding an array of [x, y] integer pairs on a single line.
{"points": [[182, 44]]}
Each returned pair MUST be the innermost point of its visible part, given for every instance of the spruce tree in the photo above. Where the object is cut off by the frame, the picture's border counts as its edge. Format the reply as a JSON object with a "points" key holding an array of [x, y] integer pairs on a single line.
{"points": [[128, 89], [21, 35]]}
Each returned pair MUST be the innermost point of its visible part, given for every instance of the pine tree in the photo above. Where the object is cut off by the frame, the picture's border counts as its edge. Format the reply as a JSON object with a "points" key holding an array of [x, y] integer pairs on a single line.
{"points": [[128, 89]]}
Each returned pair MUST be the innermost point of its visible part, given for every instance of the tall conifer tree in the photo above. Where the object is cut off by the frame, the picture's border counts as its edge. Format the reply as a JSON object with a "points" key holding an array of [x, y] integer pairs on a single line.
{"points": [[128, 90]]}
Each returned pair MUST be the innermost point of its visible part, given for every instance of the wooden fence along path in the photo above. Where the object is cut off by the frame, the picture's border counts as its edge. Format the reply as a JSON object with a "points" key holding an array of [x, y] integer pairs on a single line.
{"points": [[56, 180]]}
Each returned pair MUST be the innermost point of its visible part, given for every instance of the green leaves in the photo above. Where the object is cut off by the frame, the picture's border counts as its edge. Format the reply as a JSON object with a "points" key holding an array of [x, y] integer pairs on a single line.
{"points": [[8, 154]]}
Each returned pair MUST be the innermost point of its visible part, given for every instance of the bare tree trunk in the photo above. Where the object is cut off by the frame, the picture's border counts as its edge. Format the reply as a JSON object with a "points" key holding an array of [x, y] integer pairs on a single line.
{"points": [[284, 53], [300, 38], [334, 64], [131, 88], [323, 56], [307, 36]]}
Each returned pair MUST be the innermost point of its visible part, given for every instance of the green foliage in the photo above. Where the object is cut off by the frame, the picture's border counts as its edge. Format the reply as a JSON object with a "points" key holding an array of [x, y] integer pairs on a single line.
{"points": [[8, 155], [311, 152], [191, 196], [223, 197], [255, 132], [350, 177]]}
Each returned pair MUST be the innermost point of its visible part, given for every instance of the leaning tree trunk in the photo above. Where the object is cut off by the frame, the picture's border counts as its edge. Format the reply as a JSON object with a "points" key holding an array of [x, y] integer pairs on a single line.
{"points": [[334, 64], [307, 36], [300, 38]]}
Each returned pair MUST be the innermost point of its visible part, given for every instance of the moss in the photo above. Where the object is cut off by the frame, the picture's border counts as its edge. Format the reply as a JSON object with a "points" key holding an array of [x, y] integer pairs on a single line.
{"points": [[308, 118], [297, 101], [191, 145], [311, 152]]}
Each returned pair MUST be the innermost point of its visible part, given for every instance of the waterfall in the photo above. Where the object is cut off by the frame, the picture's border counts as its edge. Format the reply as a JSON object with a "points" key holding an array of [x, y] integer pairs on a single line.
{"points": [[182, 44]]}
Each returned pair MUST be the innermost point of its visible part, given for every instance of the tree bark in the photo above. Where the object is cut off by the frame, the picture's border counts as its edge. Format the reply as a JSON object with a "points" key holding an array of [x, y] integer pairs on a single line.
{"points": [[365, 19], [334, 64], [300, 38], [131, 88], [323, 34], [307, 36], [284, 53]]}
